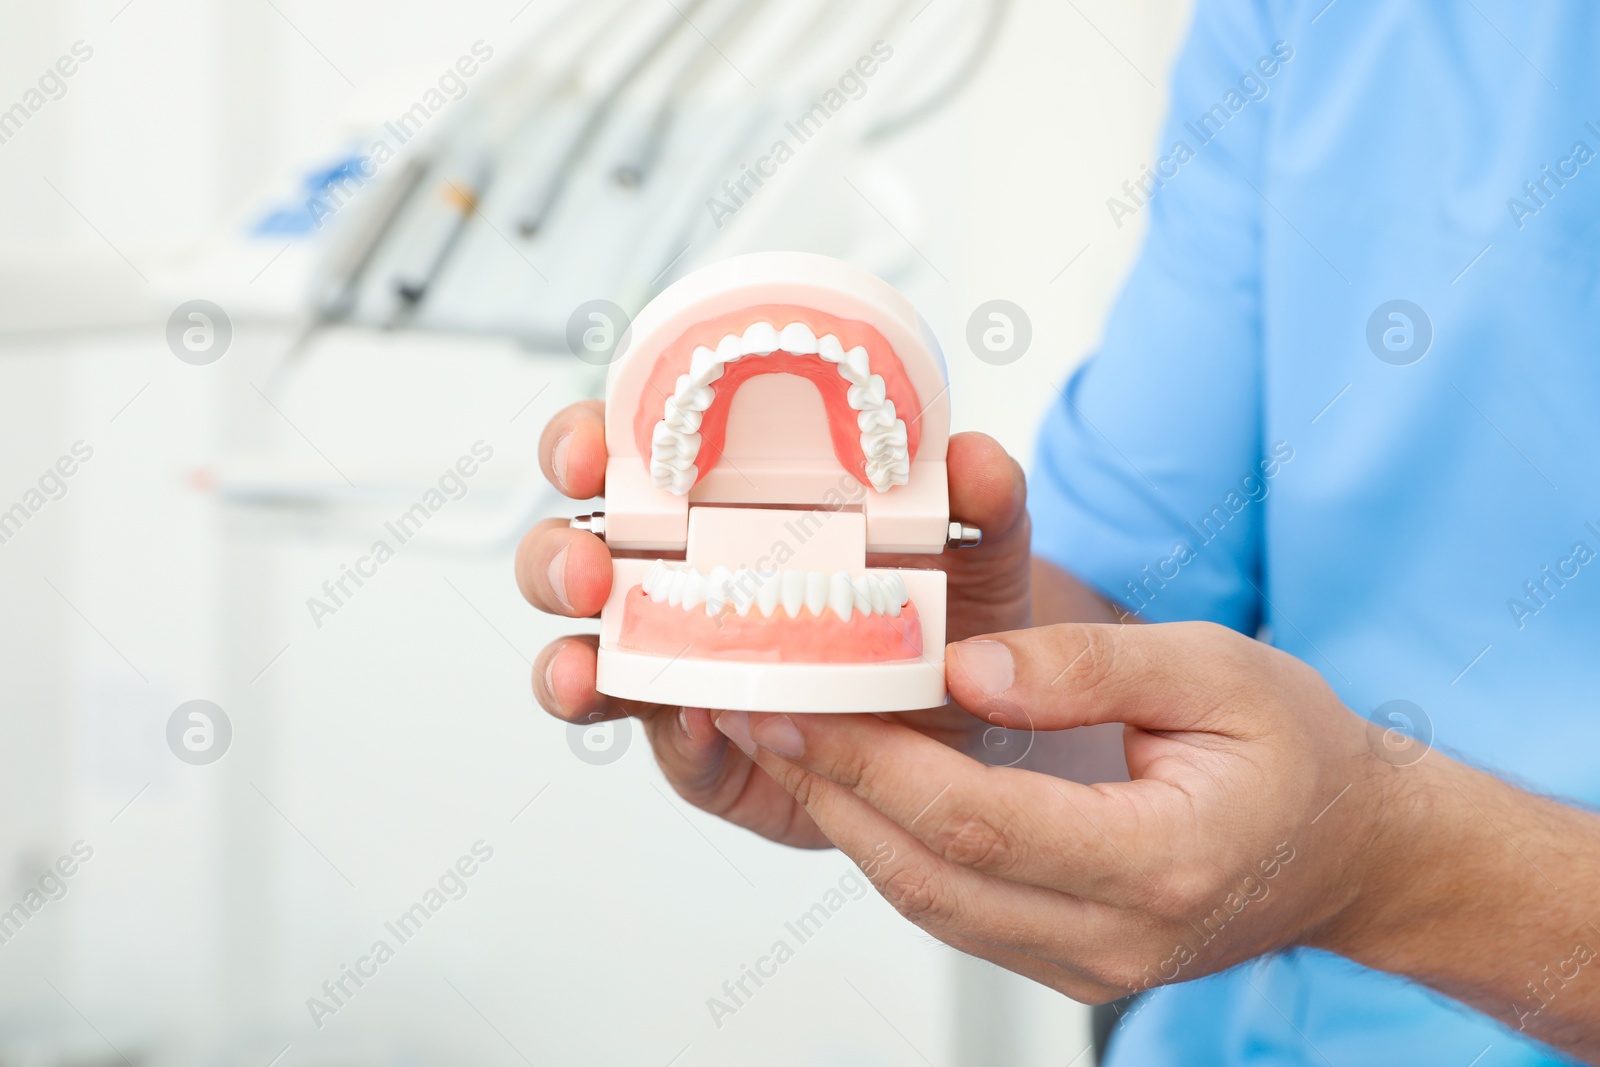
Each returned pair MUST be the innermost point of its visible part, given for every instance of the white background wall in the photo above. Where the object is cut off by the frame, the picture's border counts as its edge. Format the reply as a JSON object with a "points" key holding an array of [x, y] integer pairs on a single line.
{"points": [[371, 752]]}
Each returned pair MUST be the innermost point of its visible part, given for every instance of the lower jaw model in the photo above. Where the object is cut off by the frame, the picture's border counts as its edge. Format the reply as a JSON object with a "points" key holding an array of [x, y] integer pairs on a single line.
{"points": [[784, 616]]}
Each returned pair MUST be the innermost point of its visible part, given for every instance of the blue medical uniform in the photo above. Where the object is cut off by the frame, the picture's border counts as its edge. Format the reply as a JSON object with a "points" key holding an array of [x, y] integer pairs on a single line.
{"points": [[1350, 399]]}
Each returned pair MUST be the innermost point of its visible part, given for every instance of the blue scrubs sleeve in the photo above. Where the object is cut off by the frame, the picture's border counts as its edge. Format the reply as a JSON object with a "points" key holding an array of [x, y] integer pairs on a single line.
{"points": [[1151, 477]]}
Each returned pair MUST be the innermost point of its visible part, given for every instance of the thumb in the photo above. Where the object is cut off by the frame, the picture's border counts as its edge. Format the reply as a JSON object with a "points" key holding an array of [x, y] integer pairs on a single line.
{"points": [[1082, 674]]}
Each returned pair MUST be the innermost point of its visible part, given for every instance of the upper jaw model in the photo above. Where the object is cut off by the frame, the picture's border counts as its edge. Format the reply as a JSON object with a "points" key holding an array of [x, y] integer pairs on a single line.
{"points": [[771, 421], [795, 345]]}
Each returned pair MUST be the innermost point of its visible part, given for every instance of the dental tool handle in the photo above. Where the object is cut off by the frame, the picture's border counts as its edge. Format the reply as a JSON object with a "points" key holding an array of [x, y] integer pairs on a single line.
{"points": [[552, 184], [639, 157], [355, 244], [452, 201]]}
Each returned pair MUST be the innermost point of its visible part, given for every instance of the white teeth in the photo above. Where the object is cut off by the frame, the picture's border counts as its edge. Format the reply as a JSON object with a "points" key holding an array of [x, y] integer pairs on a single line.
{"points": [[862, 587], [687, 422], [794, 592], [743, 590], [664, 477], [894, 592], [675, 442], [841, 595], [868, 397], [704, 366], [694, 591], [875, 594], [717, 592], [693, 397], [871, 433], [798, 340], [682, 586], [855, 366], [879, 418], [679, 482], [761, 339], [767, 595], [816, 591], [669, 460]]}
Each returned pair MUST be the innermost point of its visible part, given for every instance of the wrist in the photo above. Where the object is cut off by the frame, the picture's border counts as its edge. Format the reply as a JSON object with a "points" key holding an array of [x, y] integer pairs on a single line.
{"points": [[1482, 892], [1422, 845]]}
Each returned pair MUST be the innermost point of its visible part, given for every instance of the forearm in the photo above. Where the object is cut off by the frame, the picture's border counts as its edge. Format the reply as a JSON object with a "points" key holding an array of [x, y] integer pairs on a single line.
{"points": [[1061, 597], [1486, 893]]}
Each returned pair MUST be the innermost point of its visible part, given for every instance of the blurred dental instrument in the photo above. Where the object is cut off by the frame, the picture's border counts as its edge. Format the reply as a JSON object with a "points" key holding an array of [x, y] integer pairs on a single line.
{"points": [[351, 249], [634, 91], [337, 280], [547, 189], [794, 81], [433, 239], [453, 199], [642, 152], [460, 187], [355, 242]]}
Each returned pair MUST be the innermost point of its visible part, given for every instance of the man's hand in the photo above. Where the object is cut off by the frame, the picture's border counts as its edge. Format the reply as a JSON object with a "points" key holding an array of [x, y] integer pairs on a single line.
{"points": [[1251, 821], [568, 572], [1262, 814]]}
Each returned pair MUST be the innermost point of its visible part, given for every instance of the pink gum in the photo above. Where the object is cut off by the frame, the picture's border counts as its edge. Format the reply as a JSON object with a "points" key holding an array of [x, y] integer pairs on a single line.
{"points": [[846, 435], [665, 630]]}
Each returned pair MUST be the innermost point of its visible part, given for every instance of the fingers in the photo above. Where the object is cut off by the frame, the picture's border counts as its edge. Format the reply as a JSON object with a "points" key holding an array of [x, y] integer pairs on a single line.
{"points": [[694, 757], [987, 488], [563, 683], [572, 450], [1022, 927], [1024, 827], [691, 753], [697, 761], [1056, 677], [990, 583], [708, 772], [563, 571]]}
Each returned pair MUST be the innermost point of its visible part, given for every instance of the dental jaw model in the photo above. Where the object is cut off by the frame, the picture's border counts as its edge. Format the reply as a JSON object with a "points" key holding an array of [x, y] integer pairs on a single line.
{"points": [[771, 421]]}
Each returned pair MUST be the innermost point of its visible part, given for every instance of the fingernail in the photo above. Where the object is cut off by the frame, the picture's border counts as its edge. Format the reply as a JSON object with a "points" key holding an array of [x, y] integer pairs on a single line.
{"points": [[683, 723], [558, 458], [988, 664], [550, 681], [558, 578], [780, 735], [736, 725]]}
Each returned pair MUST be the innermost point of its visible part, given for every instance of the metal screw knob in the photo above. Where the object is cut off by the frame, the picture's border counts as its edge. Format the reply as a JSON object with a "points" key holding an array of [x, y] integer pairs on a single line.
{"points": [[963, 536], [595, 524]]}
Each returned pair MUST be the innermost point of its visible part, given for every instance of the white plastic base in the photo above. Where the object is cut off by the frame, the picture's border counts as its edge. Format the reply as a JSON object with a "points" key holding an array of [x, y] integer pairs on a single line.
{"points": [[794, 687]]}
